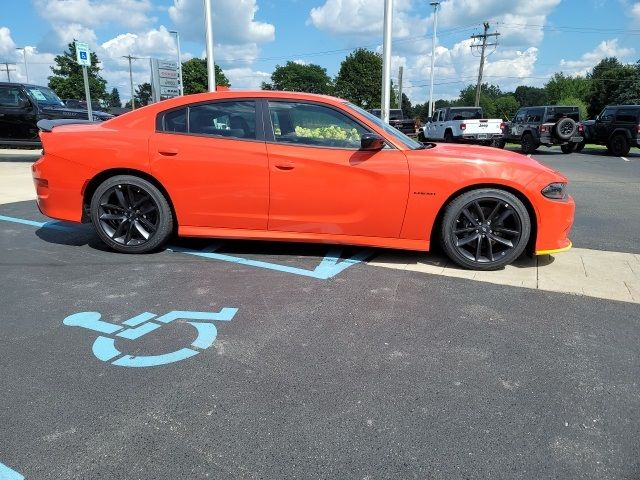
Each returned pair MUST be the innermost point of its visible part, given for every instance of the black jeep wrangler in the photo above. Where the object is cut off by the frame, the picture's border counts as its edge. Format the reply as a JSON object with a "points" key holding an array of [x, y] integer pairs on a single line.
{"points": [[23, 105], [617, 127], [548, 125]]}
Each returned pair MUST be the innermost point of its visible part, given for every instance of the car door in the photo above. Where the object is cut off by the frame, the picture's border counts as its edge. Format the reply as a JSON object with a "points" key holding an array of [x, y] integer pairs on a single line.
{"points": [[320, 180], [212, 158], [17, 115], [604, 124]]}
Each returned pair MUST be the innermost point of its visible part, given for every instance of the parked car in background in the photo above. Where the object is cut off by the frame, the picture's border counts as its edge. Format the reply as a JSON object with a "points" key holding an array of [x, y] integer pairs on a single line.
{"points": [[23, 105], [463, 125], [550, 125], [96, 106], [617, 127], [292, 166], [397, 119]]}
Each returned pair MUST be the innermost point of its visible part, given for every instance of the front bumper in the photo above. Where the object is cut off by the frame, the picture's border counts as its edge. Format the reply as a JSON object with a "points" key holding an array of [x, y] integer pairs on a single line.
{"points": [[555, 219]]}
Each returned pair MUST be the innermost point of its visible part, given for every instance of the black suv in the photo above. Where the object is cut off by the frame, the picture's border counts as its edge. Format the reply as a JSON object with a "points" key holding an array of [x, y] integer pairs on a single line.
{"points": [[23, 105], [617, 127], [548, 125]]}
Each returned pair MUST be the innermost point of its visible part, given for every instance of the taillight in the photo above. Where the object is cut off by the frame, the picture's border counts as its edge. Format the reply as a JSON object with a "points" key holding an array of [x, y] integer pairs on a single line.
{"points": [[544, 128], [581, 128], [503, 126], [638, 130], [463, 126]]}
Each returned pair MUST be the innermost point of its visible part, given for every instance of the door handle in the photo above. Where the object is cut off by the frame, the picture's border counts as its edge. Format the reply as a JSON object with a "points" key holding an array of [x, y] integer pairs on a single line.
{"points": [[168, 152], [285, 166]]}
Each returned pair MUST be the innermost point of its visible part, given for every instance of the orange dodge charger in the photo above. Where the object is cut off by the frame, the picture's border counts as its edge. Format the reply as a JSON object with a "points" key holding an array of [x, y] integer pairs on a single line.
{"points": [[295, 167]]}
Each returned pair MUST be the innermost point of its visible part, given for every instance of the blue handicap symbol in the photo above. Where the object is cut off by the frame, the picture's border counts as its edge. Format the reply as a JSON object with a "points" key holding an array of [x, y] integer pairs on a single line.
{"points": [[104, 346], [83, 55]]}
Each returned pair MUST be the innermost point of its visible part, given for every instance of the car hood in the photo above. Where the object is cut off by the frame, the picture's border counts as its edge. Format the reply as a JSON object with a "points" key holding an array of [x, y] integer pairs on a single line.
{"points": [[476, 153]]}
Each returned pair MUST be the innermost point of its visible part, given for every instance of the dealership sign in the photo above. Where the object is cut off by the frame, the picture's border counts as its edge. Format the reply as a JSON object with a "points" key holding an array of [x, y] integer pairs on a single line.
{"points": [[165, 79]]}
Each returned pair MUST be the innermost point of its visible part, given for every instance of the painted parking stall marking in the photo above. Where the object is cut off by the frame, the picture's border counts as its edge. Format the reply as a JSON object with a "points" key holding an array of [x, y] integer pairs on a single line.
{"points": [[8, 474], [331, 265], [136, 327]]}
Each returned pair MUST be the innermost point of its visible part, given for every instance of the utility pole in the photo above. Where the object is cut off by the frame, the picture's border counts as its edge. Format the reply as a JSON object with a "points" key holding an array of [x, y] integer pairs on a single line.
{"points": [[483, 47], [386, 61], [435, 6], [7, 69], [24, 57], [211, 69], [129, 57], [400, 87]]}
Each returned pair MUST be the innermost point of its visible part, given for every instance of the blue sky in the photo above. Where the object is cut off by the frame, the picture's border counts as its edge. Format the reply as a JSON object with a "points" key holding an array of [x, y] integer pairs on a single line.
{"points": [[538, 37]]}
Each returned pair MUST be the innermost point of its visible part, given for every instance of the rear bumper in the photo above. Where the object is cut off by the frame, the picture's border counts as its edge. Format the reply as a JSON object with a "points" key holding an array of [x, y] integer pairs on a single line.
{"points": [[478, 137], [59, 187], [554, 225]]}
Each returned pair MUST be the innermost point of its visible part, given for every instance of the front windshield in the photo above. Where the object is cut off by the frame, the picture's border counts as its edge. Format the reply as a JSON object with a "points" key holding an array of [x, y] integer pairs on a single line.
{"points": [[44, 95], [388, 129]]}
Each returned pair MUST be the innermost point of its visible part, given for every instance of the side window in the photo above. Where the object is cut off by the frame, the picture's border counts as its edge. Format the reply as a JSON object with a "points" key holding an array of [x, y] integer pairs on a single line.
{"points": [[236, 119], [607, 114], [440, 116], [176, 121], [627, 115], [520, 115], [11, 96], [311, 124], [534, 115]]}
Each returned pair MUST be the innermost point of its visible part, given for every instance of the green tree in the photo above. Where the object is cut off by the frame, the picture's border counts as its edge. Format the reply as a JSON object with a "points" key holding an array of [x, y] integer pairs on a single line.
{"points": [[195, 78], [295, 77], [566, 86], [359, 79], [613, 83], [67, 80], [530, 96], [575, 102], [114, 98], [506, 106], [143, 94], [488, 95], [406, 107]]}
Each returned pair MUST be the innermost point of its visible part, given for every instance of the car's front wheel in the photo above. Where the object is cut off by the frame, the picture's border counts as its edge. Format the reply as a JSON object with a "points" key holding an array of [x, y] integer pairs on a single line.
{"points": [[131, 215], [485, 229]]}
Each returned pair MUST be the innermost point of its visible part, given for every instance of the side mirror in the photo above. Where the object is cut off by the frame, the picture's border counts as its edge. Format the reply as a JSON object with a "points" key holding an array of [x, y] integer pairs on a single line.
{"points": [[371, 141], [24, 103]]}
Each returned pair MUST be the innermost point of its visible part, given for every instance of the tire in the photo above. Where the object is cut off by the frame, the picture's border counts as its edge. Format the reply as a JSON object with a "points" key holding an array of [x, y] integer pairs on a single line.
{"points": [[618, 145], [131, 215], [448, 137], [421, 137], [568, 147], [485, 229], [580, 146], [565, 128], [528, 144], [500, 143]]}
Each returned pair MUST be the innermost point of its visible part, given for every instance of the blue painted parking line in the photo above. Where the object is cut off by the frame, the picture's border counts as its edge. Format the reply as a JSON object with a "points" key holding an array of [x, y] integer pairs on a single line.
{"points": [[330, 266], [7, 474], [104, 348]]}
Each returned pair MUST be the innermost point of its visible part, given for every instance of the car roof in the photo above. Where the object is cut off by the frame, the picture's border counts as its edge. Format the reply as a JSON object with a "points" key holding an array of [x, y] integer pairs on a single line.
{"points": [[222, 94], [20, 84]]}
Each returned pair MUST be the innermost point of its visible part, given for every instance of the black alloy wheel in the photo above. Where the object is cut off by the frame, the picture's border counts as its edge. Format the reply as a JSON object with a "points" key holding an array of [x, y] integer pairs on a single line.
{"points": [[485, 229], [619, 145], [528, 144], [565, 128], [131, 215]]}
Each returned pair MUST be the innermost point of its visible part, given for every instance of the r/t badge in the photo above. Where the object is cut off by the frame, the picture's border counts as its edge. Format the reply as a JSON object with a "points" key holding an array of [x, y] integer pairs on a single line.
{"points": [[104, 346]]}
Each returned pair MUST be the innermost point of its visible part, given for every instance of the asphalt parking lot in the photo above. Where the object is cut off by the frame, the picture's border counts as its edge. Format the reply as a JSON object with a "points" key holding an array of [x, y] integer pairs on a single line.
{"points": [[269, 360]]}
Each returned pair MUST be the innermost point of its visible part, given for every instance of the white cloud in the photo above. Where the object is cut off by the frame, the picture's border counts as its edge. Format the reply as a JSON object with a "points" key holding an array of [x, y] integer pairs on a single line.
{"points": [[635, 11], [606, 48], [37, 63], [244, 78], [96, 13]]}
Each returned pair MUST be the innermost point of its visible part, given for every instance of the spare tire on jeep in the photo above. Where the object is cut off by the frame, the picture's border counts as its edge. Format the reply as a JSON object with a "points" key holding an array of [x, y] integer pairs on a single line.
{"points": [[565, 128]]}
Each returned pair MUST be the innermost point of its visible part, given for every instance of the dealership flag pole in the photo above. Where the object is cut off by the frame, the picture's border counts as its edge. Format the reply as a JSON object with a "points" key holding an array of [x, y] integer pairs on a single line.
{"points": [[435, 6], [386, 61], [211, 71]]}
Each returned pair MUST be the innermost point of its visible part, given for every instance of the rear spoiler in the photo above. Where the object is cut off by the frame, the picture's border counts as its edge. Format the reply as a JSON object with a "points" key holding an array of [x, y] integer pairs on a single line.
{"points": [[49, 125]]}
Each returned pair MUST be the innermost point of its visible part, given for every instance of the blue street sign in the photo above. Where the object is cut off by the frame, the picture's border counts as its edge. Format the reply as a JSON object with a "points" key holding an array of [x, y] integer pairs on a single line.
{"points": [[104, 346]]}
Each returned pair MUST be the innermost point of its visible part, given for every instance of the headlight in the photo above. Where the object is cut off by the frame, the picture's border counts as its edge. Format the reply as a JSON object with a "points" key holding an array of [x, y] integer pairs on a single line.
{"points": [[556, 191]]}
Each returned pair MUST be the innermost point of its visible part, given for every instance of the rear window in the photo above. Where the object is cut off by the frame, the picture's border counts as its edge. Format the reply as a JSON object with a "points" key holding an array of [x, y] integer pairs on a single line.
{"points": [[556, 113], [629, 115], [465, 114]]}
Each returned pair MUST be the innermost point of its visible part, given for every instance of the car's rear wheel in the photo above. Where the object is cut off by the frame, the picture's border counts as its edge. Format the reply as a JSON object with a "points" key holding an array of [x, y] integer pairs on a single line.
{"points": [[528, 144], [485, 229], [580, 146], [448, 136], [568, 147], [618, 145], [131, 215]]}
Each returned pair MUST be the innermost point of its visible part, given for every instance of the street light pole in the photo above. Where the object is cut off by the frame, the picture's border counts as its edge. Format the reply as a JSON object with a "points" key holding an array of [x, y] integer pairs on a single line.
{"points": [[386, 61], [179, 61], [435, 6], [211, 71], [24, 56]]}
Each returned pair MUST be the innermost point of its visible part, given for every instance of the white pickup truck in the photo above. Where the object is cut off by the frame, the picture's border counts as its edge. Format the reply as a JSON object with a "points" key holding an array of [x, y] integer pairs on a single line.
{"points": [[465, 125]]}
